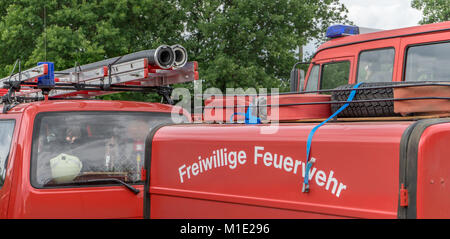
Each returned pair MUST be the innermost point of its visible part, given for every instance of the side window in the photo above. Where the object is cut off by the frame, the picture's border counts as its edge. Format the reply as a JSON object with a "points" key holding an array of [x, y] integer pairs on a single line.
{"points": [[335, 74], [428, 62], [376, 65], [6, 134], [313, 79]]}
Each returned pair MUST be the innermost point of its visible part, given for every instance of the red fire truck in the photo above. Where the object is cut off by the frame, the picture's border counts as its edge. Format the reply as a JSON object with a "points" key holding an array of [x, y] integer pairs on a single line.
{"points": [[346, 142], [374, 146]]}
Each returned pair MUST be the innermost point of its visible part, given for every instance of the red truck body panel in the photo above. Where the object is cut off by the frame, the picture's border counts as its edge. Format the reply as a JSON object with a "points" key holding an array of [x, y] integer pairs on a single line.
{"points": [[355, 175], [15, 152], [433, 163]]}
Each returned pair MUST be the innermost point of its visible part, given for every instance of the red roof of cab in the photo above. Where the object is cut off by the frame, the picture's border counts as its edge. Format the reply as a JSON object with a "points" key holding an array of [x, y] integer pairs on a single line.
{"points": [[91, 105], [384, 34]]}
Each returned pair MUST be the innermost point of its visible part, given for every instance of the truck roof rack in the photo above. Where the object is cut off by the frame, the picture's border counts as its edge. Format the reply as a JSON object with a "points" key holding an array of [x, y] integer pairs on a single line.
{"points": [[145, 71], [374, 99]]}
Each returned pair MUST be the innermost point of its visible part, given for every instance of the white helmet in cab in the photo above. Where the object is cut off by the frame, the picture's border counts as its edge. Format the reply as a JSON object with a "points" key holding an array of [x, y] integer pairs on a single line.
{"points": [[65, 168]]}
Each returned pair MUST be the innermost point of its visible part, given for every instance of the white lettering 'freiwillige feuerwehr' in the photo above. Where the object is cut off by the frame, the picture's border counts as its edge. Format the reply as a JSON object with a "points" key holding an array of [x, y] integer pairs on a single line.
{"points": [[232, 159]]}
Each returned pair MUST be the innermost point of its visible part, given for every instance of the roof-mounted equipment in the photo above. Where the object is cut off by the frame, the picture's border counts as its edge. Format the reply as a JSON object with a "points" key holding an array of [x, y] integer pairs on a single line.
{"points": [[180, 55], [144, 71], [341, 30]]}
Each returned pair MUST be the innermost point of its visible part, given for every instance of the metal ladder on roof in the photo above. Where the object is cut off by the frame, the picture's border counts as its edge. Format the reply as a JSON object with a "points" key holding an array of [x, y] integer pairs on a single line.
{"points": [[141, 71]]}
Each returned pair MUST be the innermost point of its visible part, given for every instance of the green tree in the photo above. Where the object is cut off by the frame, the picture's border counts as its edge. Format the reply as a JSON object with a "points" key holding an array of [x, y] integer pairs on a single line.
{"points": [[83, 31], [237, 43], [433, 10], [252, 43]]}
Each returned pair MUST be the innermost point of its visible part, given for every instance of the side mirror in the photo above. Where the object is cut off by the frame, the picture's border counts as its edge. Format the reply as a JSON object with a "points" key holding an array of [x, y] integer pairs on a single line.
{"points": [[297, 79]]}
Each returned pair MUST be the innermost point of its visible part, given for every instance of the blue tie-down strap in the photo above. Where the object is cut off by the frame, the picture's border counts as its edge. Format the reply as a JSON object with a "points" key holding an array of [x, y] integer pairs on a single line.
{"points": [[249, 118], [309, 163]]}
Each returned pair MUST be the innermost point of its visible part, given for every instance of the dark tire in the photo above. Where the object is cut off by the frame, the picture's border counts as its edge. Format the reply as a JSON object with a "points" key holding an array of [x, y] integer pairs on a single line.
{"points": [[366, 109]]}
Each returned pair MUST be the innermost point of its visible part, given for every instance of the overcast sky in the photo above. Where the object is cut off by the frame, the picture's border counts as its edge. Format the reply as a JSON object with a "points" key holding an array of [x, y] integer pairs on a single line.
{"points": [[379, 14]]}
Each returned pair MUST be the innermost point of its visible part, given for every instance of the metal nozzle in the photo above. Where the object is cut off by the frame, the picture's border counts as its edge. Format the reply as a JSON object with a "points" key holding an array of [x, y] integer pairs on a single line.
{"points": [[180, 56], [164, 57]]}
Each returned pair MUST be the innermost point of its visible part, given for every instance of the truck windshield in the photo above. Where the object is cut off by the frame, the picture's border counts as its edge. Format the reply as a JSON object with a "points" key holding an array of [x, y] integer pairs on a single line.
{"points": [[81, 146]]}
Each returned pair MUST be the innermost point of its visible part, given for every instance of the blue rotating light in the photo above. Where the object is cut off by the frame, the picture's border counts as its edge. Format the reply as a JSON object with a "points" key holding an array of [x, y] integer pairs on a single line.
{"points": [[341, 30], [47, 81]]}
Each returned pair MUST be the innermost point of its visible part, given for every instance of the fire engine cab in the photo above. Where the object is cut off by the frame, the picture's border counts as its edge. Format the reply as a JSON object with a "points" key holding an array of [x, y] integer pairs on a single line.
{"points": [[66, 155]]}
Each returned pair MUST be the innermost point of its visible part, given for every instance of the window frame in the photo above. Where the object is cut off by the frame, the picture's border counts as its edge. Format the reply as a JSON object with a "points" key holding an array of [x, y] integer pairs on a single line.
{"points": [[330, 63], [375, 49], [405, 56], [10, 147], [33, 152]]}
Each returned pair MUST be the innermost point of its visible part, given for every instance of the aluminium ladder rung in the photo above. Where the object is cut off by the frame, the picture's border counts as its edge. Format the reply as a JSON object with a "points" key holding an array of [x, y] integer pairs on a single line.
{"points": [[131, 70], [136, 72]]}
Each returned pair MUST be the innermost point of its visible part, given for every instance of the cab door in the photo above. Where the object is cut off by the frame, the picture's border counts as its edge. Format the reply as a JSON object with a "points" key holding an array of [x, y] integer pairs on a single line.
{"points": [[9, 128]]}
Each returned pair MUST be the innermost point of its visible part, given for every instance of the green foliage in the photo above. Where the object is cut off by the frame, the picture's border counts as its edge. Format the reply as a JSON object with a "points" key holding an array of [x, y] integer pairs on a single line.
{"points": [[433, 10], [252, 43], [237, 43], [83, 31]]}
